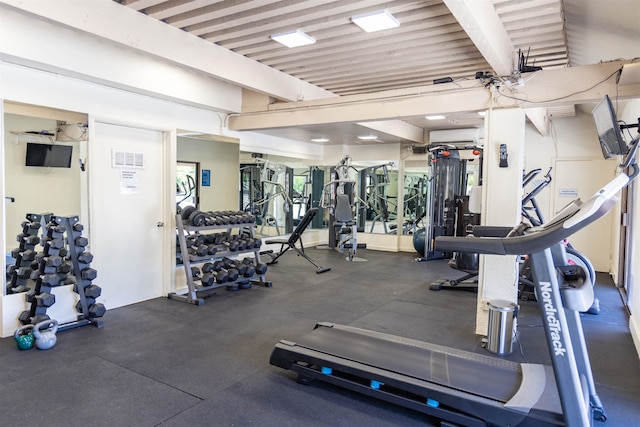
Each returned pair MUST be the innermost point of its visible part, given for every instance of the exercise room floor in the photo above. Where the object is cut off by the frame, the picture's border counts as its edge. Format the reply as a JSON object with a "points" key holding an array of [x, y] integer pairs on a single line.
{"points": [[168, 363]]}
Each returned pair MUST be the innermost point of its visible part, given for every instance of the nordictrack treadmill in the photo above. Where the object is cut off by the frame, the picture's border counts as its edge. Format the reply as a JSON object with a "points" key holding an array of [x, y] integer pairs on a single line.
{"points": [[467, 388]]}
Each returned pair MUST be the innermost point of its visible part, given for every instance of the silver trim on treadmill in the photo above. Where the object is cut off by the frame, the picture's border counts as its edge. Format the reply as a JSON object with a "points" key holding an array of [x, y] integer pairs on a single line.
{"points": [[531, 388]]}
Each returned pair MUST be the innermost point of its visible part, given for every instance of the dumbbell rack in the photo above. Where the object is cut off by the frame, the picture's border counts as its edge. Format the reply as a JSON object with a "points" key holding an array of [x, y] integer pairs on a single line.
{"points": [[197, 293], [18, 279], [60, 257]]}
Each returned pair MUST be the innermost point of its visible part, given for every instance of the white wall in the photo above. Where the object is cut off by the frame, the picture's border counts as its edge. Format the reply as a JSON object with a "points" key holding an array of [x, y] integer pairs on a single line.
{"points": [[574, 153]]}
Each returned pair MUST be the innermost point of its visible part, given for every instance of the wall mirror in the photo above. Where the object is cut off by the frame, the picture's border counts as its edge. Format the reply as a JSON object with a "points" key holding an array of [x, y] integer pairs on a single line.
{"points": [[378, 194], [44, 161], [279, 190]]}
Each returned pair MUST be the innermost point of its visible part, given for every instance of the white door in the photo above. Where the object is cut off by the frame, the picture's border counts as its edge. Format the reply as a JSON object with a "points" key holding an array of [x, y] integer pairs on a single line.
{"points": [[127, 212], [582, 178]]}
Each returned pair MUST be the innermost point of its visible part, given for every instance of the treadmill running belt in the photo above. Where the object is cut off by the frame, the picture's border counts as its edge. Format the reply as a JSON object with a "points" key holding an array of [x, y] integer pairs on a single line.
{"points": [[485, 376]]}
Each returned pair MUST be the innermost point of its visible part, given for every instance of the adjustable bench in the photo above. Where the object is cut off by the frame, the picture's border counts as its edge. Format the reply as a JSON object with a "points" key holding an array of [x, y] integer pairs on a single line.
{"points": [[294, 238]]}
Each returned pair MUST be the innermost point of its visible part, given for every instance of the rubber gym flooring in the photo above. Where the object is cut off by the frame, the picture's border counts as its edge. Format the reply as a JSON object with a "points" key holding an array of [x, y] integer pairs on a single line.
{"points": [[163, 362]]}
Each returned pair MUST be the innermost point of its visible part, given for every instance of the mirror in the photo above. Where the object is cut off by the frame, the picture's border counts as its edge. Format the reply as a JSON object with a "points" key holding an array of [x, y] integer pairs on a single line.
{"points": [[39, 185], [414, 193], [279, 190], [187, 189], [378, 191]]}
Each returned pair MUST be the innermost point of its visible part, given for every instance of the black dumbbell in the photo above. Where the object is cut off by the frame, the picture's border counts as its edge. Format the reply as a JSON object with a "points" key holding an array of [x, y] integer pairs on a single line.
{"points": [[89, 301], [96, 310], [53, 261], [242, 268], [29, 255], [85, 257], [232, 274], [233, 245], [197, 218], [207, 267], [207, 279], [65, 267], [45, 299], [221, 276], [93, 291], [81, 241], [88, 274], [261, 268], [195, 272], [24, 272], [29, 295], [250, 271], [51, 279]]}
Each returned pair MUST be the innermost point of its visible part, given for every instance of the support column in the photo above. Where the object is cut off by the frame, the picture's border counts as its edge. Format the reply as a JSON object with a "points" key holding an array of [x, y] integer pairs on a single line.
{"points": [[501, 206]]}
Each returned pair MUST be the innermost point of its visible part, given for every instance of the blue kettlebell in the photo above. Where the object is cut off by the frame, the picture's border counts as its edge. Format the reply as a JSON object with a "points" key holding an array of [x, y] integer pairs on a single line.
{"points": [[45, 334], [24, 337]]}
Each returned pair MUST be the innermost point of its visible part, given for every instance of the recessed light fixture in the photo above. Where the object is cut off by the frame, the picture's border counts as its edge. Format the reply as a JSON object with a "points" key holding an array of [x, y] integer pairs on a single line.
{"points": [[435, 117], [321, 139], [482, 113], [376, 21], [294, 38], [367, 137]]}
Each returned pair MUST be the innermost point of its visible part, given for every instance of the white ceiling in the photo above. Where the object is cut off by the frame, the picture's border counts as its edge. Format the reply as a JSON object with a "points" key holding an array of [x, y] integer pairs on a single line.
{"points": [[429, 44]]}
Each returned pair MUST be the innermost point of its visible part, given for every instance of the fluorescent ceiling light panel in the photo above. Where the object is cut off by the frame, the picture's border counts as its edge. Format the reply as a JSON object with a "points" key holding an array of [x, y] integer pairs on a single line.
{"points": [[436, 117], [321, 139], [368, 137], [376, 21], [482, 113], [294, 38]]}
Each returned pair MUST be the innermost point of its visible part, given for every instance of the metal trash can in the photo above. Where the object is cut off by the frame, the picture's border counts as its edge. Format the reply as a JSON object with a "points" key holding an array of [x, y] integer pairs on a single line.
{"points": [[500, 332]]}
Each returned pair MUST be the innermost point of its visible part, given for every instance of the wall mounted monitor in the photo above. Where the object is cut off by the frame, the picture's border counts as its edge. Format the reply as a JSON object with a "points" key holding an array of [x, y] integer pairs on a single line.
{"points": [[49, 155], [609, 134]]}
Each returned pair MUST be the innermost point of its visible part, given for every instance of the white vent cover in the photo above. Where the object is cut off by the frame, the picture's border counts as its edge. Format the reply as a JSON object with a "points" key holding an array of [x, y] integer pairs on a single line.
{"points": [[126, 159]]}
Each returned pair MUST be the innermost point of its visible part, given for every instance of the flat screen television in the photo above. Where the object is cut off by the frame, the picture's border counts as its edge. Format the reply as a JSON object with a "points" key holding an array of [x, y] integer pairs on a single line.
{"points": [[611, 140], [49, 155]]}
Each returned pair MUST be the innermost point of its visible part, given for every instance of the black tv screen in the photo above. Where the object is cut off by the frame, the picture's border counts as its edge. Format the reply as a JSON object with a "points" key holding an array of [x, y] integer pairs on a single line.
{"points": [[611, 141], [49, 155]]}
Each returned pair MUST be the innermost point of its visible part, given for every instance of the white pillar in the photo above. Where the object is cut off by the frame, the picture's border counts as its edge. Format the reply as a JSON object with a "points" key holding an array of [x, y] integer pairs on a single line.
{"points": [[501, 204]]}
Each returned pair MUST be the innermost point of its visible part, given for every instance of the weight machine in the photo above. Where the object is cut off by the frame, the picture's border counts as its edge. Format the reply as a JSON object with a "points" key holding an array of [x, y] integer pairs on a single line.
{"points": [[445, 213], [339, 196]]}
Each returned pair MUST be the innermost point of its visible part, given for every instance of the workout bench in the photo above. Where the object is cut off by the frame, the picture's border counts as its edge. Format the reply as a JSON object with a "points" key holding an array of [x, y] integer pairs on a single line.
{"points": [[290, 243]]}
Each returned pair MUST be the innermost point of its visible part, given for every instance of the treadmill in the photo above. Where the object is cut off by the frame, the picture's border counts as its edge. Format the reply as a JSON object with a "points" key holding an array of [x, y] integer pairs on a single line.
{"points": [[467, 388]]}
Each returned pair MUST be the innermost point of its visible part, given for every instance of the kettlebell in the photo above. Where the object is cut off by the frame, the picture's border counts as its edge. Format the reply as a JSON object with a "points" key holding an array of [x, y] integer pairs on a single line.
{"points": [[24, 337], [45, 334]]}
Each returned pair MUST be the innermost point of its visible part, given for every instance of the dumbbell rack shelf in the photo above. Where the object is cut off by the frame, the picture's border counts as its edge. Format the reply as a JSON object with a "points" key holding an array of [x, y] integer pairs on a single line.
{"points": [[197, 293]]}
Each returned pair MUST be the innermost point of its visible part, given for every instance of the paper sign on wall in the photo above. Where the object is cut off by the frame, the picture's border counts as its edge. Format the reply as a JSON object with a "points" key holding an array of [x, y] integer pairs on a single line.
{"points": [[568, 192], [128, 181]]}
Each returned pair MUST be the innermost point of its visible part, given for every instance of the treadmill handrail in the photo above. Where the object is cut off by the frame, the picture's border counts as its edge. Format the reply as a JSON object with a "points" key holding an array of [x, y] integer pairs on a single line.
{"points": [[537, 239]]}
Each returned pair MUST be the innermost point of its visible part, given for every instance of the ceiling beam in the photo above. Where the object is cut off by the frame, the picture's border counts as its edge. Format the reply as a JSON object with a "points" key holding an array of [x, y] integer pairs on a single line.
{"points": [[128, 28], [540, 119], [542, 89], [482, 24]]}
